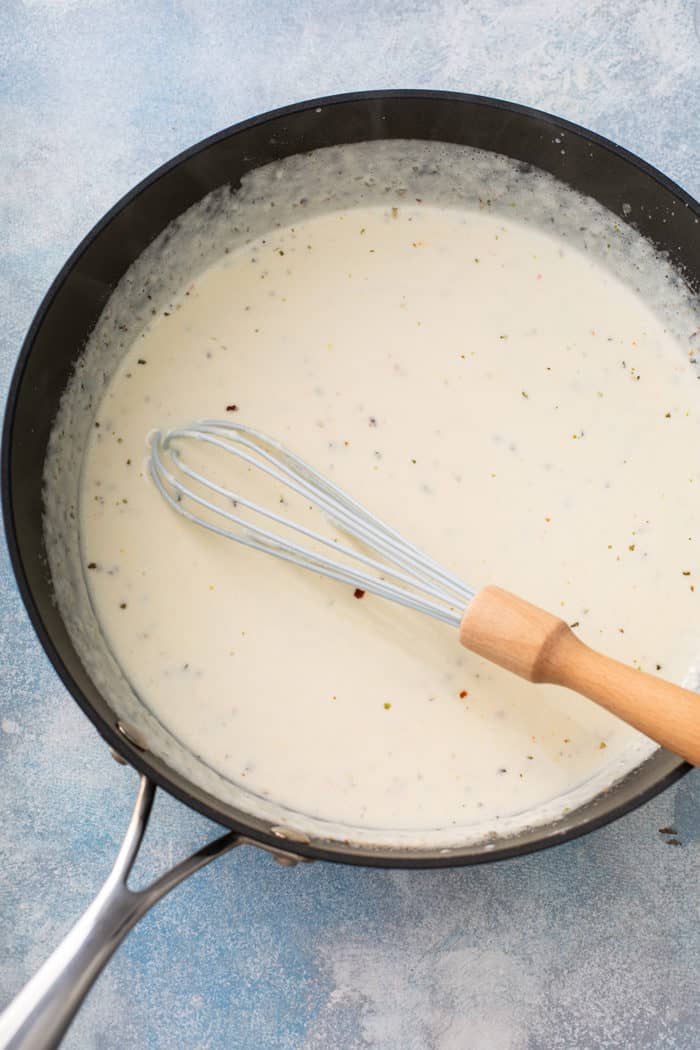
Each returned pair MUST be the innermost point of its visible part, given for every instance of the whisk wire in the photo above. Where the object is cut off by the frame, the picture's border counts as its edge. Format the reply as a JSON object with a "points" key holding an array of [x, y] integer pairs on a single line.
{"points": [[432, 589]]}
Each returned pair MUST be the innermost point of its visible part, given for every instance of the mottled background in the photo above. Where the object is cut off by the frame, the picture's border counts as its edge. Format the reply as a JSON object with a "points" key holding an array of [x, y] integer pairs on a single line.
{"points": [[594, 945]]}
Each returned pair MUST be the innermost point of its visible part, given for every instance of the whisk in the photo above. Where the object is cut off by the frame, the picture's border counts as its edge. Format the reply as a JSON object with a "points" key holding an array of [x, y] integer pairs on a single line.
{"points": [[495, 624]]}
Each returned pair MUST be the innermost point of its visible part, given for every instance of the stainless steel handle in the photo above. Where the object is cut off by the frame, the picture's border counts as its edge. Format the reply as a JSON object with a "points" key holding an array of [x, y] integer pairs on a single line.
{"points": [[40, 1015]]}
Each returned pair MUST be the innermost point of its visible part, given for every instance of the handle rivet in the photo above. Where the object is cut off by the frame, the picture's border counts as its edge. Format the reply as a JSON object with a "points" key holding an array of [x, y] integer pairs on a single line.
{"points": [[134, 737]]}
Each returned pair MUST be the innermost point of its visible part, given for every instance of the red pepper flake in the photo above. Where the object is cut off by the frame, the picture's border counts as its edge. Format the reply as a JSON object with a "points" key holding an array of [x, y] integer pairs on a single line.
{"points": [[232, 408], [463, 694], [358, 593]]}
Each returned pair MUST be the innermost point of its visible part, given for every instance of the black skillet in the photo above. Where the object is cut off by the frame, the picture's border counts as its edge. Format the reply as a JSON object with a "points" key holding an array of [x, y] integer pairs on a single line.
{"points": [[588, 163]]}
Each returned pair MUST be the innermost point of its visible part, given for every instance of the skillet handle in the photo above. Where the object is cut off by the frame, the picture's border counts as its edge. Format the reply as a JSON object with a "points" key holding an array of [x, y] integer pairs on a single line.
{"points": [[41, 1013]]}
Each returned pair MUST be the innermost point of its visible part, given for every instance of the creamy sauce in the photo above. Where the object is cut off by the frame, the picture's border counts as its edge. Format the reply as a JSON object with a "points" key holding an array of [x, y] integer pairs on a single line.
{"points": [[494, 393]]}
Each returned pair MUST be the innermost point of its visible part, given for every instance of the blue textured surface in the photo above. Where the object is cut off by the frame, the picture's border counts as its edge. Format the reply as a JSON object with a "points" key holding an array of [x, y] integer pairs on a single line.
{"points": [[594, 945]]}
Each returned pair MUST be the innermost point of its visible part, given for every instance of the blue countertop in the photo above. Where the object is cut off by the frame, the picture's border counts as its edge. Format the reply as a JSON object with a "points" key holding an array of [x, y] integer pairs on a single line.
{"points": [[593, 945]]}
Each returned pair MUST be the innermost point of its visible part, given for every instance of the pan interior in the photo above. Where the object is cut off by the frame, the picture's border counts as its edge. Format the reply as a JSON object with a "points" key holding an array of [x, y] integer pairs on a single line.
{"points": [[389, 177]]}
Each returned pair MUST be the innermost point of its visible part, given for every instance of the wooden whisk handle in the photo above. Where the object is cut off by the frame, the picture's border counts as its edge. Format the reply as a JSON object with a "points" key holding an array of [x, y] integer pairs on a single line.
{"points": [[542, 648]]}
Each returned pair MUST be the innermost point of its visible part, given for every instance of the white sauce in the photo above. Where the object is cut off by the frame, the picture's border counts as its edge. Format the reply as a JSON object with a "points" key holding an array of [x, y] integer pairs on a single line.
{"points": [[491, 390]]}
